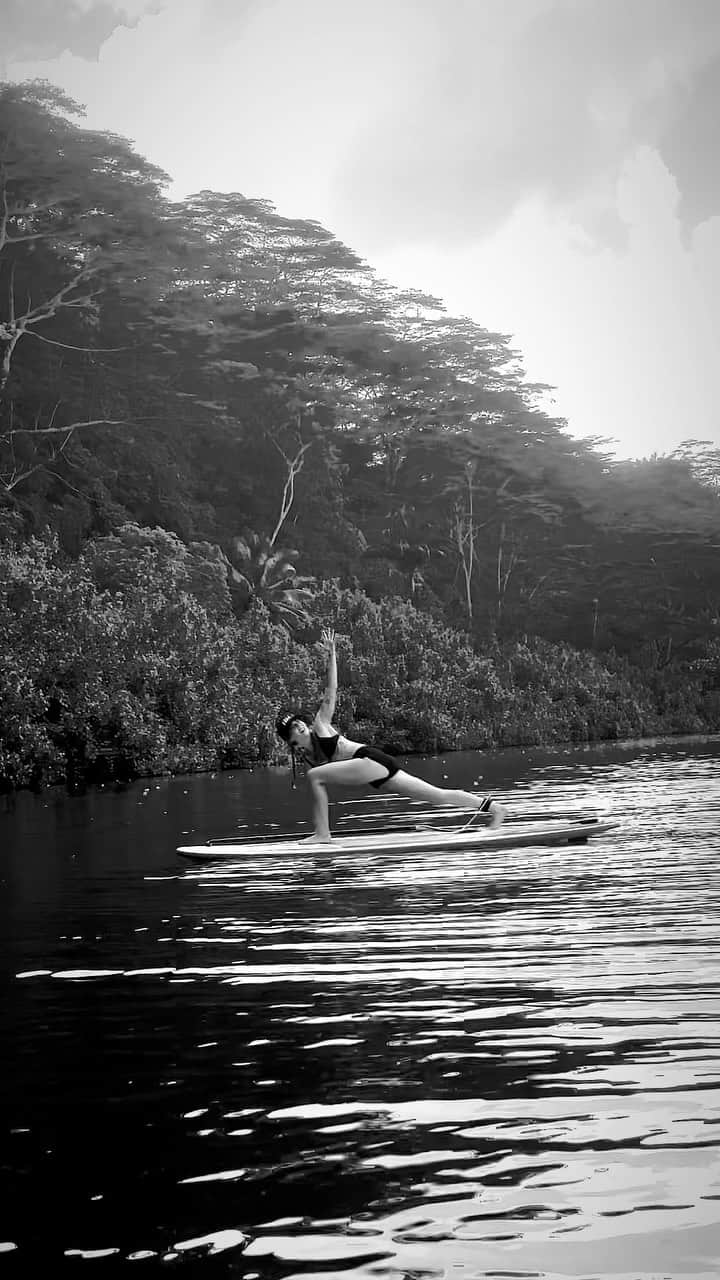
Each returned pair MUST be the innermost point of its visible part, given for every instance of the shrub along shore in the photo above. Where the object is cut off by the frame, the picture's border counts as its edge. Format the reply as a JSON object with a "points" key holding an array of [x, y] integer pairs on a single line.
{"points": [[125, 665]]}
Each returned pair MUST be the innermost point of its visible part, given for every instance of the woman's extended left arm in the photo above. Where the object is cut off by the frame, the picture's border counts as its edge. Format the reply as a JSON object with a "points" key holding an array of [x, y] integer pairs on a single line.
{"points": [[326, 710]]}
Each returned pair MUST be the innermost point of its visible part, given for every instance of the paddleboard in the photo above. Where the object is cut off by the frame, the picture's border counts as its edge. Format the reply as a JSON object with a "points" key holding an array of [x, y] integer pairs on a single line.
{"points": [[510, 836]]}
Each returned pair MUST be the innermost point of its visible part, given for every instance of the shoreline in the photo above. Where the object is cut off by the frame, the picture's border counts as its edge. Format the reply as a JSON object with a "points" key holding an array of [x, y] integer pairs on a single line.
{"points": [[117, 782]]}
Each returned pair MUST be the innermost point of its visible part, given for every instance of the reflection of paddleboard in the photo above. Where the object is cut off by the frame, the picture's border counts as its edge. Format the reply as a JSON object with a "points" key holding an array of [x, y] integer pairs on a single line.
{"points": [[512, 836]]}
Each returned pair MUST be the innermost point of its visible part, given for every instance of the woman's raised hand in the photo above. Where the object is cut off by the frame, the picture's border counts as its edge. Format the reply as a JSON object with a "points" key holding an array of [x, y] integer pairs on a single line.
{"points": [[327, 639]]}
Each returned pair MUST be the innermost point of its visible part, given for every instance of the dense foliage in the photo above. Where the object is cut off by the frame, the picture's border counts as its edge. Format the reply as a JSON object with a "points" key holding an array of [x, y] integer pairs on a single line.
{"points": [[219, 430], [130, 660]]}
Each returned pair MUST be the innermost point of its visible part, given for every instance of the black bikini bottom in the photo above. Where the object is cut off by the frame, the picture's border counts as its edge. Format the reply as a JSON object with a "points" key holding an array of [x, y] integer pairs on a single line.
{"points": [[380, 757]]}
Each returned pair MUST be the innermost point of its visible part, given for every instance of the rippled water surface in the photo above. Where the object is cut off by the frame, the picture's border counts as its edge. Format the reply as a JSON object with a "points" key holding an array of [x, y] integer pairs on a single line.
{"points": [[472, 1065]]}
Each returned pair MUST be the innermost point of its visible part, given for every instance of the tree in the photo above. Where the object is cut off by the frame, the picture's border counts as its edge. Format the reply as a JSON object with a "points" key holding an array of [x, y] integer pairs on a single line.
{"points": [[271, 262], [259, 572], [81, 215]]}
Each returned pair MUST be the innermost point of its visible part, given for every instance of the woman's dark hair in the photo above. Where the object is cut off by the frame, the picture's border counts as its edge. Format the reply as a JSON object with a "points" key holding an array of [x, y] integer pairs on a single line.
{"points": [[283, 725], [285, 722]]}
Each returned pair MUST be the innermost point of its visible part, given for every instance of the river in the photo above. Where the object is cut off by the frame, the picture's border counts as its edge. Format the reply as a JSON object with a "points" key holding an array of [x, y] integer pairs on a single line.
{"points": [[448, 1065]]}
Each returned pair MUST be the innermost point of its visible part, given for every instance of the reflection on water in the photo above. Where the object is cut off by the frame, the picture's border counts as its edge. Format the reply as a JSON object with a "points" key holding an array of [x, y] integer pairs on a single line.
{"points": [[422, 1066]]}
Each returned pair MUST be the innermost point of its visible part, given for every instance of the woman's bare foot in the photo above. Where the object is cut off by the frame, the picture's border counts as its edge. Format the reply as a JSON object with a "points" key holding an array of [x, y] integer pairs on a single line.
{"points": [[316, 839], [491, 812], [497, 813]]}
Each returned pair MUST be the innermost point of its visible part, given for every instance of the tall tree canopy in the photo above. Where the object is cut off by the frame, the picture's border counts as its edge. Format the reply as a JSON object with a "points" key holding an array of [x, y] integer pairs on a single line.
{"points": [[246, 382]]}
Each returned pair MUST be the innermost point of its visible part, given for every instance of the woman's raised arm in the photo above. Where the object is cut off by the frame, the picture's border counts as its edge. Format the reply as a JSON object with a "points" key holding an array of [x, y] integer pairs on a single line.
{"points": [[326, 710]]}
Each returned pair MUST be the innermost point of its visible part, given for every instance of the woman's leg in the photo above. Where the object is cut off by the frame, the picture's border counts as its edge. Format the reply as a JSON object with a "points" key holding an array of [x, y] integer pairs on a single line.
{"points": [[360, 772], [321, 811], [406, 784], [345, 773]]}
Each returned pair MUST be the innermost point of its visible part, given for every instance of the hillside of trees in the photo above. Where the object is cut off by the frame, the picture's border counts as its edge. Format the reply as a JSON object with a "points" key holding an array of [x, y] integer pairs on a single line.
{"points": [[220, 430]]}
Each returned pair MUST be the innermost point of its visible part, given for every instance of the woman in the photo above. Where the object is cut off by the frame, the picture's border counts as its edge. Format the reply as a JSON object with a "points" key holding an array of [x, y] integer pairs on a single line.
{"points": [[336, 759]]}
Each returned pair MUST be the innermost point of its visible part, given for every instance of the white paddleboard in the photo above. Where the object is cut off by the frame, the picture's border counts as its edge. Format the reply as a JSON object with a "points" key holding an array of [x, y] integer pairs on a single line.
{"points": [[516, 835]]}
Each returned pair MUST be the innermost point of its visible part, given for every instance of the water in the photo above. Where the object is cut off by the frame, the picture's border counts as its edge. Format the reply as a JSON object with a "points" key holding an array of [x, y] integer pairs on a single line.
{"points": [[423, 1066]]}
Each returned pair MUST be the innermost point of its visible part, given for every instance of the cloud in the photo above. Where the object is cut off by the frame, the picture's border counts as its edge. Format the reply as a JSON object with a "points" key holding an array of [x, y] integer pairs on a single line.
{"points": [[543, 99], [688, 145], [412, 121], [40, 30]]}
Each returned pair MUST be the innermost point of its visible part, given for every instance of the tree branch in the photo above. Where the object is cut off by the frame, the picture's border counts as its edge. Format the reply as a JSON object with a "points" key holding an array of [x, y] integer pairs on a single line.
{"points": [[36, 235], [48, 308], [465, 537], [16, 477], [14, 329], [13, 478], [56, 431], [9, 333], [294, 464], [68, 346], [5, 215]]}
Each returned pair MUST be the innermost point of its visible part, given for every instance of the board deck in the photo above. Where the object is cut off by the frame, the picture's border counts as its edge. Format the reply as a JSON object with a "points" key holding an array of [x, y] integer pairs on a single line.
{"points": [[511, 836]]}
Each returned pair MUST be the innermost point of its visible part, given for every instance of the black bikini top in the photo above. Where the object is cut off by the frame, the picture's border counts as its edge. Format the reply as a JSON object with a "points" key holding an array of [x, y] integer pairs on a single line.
{"points": [[324, 748]]}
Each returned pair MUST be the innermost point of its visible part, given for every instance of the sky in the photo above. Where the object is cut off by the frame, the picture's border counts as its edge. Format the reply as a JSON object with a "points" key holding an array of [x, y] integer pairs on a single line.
{"points": [[548, 167]]}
